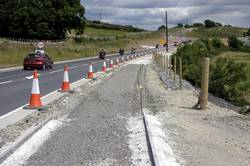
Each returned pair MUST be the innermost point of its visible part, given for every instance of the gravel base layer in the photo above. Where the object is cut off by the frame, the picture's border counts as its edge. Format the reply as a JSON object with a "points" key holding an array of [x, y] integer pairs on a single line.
{"points": [[218, 136], [56, 109], [95, 133]]}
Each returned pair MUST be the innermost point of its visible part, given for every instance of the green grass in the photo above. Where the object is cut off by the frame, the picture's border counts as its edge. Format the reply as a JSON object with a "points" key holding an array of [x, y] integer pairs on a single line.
{"points": [[104, 32], [13, 54], [216, 32]]}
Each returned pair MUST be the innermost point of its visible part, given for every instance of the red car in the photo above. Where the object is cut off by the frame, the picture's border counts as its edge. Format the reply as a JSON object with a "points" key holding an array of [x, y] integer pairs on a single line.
{"points": [[37, 61]]}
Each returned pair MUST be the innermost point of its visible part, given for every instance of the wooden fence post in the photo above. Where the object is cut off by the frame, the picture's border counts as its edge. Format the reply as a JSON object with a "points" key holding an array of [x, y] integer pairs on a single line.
{"points": [[180, 72]]}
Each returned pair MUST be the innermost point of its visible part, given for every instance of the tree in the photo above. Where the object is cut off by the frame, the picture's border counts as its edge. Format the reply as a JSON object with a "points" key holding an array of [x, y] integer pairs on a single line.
{"points": [[37, 19], [234, 43], [216, 43], [198, 25], [218, 24], [209, 24], [162, 27], [180, 25], [187, 26]]}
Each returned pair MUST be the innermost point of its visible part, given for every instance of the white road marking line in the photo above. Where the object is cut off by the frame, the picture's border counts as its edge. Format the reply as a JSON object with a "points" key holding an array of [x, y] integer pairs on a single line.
{"points": [[83, 65], [18, 109], [56, 71], [73, 67], [31, 77], [6, 82]]}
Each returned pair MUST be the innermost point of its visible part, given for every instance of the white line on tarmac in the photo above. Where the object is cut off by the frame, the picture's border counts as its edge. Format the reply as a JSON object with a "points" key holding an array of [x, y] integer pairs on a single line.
{"points": [[31, 77], [18, 109], [56, 71], [6, 82]]}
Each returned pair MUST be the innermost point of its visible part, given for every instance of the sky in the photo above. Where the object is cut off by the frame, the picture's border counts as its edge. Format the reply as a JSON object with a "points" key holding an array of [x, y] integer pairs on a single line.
{"points": [[150, 14]]}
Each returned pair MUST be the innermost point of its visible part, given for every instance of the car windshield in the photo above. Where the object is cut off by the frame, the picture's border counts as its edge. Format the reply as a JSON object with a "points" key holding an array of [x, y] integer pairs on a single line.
{"points": [[33, 56]]}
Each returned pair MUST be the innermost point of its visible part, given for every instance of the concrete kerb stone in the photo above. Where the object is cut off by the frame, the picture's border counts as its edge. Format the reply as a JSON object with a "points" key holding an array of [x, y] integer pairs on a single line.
{"points": [[21, 140]]}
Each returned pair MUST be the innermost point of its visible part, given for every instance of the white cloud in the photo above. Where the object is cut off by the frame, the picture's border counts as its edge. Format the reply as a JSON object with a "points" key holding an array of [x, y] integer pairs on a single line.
{"points": [[149, 14]]}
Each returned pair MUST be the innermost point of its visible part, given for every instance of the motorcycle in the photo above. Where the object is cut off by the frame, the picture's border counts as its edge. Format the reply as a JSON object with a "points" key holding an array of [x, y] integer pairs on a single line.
{"points": [[102, 54], [121, 52]]}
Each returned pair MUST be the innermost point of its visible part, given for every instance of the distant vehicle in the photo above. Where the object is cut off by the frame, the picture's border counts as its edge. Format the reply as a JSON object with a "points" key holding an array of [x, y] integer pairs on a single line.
{"points": [[133, 50], [37, 61], [121, 51], [176, 44], [102, 54], [184, 42]]}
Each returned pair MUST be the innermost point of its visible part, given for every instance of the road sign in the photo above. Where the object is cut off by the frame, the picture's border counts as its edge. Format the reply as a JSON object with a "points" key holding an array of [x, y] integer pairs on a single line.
{"points": [[162, 41], [40, 45]]}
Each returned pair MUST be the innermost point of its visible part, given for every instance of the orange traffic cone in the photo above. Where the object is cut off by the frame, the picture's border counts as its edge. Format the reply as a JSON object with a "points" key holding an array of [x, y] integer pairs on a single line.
{"points": [[90, 73], [104, 68], [65, 84], [35, 97], [111, 64]]}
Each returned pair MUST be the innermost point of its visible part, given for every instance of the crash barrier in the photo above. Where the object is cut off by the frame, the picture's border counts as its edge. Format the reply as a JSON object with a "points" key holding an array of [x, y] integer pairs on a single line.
{"points": [[35, 97]]}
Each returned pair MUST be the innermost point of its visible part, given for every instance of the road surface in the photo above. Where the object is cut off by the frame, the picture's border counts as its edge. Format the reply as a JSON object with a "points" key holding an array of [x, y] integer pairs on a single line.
{"points": [[15, 86], [95, 133]]}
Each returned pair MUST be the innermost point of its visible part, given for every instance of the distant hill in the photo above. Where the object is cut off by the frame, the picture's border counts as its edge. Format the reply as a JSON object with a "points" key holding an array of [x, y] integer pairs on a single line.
{"points": [[216, 32], [102, 25]]}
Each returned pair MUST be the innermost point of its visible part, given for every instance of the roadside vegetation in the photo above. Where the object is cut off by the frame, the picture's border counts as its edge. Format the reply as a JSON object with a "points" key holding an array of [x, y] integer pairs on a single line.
{"points": [[222, 32], [230, 67], [78, 46], [46, 20], [209, 29]]}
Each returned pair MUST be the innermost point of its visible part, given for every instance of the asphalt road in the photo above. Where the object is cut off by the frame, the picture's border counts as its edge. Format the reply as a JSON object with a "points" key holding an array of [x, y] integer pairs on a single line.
{"points": [[15, 86]]}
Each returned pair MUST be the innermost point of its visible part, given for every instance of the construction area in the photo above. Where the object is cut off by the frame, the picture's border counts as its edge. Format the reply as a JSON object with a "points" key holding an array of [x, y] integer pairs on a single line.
{"points": [[137, 112]]}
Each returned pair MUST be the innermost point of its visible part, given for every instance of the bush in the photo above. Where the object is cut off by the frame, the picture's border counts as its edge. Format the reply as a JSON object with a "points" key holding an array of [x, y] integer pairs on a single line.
{"points": [[216, 43], [225, 75], [191, 57], [224, 78], [234, 43]]}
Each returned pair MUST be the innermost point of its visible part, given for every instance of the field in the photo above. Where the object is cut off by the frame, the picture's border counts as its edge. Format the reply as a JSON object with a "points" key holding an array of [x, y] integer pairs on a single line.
{"points": [[221, 32], [104, 32], [12, 54]]}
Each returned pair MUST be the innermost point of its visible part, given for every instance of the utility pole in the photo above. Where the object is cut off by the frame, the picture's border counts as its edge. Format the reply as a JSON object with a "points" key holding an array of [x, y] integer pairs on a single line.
{"points": [[100, 15], [166, 30]]}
